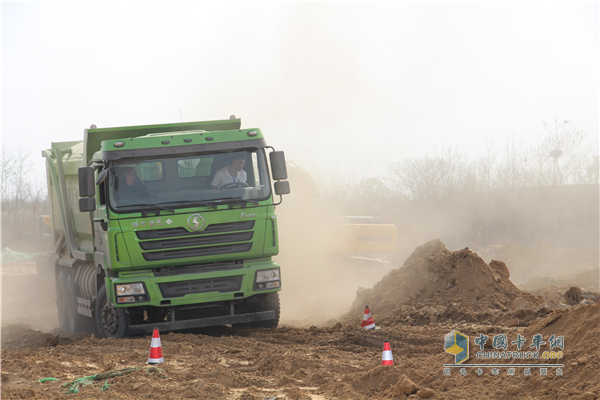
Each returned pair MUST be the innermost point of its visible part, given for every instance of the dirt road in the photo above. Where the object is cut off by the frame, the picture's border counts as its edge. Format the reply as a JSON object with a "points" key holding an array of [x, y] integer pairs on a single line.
{"points": [[336, 360], [286, 363]]}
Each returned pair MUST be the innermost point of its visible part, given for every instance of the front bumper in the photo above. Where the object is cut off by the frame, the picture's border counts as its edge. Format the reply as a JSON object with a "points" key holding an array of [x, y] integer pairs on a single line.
{"points": [[193, 286], [202, 322]]}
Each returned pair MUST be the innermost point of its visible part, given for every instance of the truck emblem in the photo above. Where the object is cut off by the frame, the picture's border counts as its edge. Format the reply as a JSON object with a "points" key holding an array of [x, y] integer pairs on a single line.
{"points": [[168, 221], [195, 222], [244, 215]]}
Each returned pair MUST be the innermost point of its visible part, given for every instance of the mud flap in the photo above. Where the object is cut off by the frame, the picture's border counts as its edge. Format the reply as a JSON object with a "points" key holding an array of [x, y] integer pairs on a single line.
{"points": [[84, 307]]}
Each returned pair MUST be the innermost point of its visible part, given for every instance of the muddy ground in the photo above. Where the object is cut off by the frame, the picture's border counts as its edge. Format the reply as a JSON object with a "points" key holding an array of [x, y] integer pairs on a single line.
{"points": [[435, 292]]}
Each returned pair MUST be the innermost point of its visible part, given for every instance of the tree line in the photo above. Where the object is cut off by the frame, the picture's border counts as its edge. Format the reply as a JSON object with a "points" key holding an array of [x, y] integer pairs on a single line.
{"points": [[560, 157], [23, 200], [449, 194], [438, 187]]}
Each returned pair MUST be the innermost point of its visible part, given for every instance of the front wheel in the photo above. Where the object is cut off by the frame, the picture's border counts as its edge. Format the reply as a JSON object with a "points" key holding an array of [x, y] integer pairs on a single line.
{"points": [[112, 322], [268, 302]]}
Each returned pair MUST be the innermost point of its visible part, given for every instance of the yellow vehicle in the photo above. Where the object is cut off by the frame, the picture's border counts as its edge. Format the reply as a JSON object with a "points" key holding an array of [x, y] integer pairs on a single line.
{"points": [[363, 239]]}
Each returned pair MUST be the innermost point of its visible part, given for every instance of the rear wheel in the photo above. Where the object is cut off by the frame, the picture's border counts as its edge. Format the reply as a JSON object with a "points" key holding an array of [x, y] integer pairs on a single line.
{"points": [[74, 320], [112, 322], [66, 302], [61, 285]]}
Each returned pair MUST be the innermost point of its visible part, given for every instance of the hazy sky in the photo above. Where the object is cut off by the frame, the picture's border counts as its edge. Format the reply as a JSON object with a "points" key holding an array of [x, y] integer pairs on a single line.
{"points": [[338, 86]]}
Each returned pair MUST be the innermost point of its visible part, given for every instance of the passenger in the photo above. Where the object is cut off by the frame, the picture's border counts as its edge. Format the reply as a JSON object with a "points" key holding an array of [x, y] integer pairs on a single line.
{"points": [[132, 188], [234, 173]]}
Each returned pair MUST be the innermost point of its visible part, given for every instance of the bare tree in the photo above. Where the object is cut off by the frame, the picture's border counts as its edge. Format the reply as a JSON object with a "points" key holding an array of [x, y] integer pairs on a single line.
{"points": [[22, 201], [486, 166], [6, 174], [438, 176], [560, 157], [592, 170]]}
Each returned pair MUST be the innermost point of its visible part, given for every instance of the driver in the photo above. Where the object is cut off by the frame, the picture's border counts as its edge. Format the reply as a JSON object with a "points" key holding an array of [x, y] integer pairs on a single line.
{"points": [[132, 188], [233, 173]]}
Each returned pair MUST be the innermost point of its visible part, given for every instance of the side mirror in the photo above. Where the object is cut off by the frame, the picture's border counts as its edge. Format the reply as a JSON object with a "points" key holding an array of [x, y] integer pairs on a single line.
{"points": [[87, 188], [102, 176], [87, 204], [282, 187], [278, 168]]}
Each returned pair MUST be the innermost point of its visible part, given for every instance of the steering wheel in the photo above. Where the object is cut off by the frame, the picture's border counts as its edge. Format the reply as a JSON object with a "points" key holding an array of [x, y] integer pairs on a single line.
{"points": [[236, 185]]}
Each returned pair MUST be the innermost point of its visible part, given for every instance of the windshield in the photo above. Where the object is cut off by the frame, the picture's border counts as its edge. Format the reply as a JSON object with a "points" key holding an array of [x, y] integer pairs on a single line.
{"points": [[187, 181]]}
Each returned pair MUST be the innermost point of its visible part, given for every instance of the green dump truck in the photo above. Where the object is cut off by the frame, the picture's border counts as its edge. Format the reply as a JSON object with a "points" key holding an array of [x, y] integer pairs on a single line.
{"points": [[167, 226]]}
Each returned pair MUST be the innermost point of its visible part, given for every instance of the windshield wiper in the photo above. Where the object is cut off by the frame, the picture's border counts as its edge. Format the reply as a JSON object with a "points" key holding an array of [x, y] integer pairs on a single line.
{"points": [[202, 203], [239, 199], [149, 205]]}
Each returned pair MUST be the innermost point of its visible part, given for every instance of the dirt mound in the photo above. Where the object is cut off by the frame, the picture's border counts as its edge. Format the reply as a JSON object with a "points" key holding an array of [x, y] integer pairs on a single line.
{"points": [[580, 328], [554, 295], [536, 266], [20, 337], [341, 362], [587, 278], [436, 284]]}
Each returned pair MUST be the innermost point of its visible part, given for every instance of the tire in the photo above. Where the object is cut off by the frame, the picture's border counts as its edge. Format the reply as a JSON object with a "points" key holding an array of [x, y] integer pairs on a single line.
{"points": [[111, 322], [61, 285], [66, 302], [74, 320], [269, 302]]}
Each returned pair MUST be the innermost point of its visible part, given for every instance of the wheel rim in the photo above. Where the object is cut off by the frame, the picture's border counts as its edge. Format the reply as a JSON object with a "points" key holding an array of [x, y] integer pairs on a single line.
{"points": [[110, 319]]}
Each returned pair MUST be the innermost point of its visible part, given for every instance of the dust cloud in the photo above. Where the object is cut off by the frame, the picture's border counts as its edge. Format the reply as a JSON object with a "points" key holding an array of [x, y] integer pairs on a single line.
{"points": [[320, 277], [543, 243], [28, 290], [319, 284], [546, 235]]}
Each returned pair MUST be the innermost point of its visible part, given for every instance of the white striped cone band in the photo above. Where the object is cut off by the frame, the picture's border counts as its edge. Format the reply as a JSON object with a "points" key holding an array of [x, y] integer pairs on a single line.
{"points": [[156, 355], [370, 326], [387, 358], [367, 321], [155, 342]]}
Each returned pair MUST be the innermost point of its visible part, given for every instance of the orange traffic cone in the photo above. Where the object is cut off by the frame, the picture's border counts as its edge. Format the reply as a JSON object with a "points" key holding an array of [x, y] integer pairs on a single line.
{"points": [[367, 321], [156, 355], [387, 358]]}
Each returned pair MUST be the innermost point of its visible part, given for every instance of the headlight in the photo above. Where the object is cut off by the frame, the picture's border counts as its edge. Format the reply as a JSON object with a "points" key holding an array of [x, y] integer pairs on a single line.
{"points": [[130, 289], [267, 279], [267, 275]]}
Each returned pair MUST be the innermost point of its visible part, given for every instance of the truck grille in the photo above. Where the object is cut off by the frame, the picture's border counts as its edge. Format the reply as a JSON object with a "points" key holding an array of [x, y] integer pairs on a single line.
{"points": [[198, 268], [197, 241], [179, 232], [214, 240], [180, 289], [197, 252]]}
